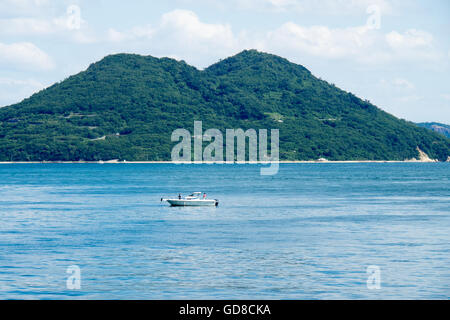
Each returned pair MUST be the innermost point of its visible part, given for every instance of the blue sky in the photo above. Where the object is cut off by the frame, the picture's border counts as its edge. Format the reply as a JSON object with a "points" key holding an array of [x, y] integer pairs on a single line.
{"points": [[395, 53]]}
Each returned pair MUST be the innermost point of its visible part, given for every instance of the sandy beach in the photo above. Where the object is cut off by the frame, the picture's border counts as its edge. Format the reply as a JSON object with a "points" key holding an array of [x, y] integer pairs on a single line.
{"points": [[205, 162]]}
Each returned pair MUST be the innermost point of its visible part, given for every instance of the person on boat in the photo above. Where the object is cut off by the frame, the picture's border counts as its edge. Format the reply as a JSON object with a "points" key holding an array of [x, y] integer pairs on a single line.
{"points": [[179, 196], [204, 196]]}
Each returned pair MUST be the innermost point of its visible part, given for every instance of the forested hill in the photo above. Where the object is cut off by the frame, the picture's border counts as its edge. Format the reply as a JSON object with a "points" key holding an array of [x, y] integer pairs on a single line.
{"points": [[126, 106], [441, 128]]}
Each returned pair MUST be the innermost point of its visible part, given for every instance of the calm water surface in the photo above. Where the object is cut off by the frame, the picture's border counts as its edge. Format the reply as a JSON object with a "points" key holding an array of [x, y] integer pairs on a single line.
{"points": [[309, 232]]}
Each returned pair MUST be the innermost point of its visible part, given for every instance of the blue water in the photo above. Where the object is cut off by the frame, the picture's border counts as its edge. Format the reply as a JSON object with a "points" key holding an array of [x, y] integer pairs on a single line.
{"points": [[309, 232]]}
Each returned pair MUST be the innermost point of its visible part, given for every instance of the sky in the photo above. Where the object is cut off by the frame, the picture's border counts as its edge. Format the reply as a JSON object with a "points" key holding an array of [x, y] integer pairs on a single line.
{"points": [[395, 53]]}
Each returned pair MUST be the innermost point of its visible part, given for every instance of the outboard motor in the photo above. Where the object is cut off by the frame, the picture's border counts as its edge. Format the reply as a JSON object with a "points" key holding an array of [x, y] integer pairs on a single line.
{"points": [[217, 202]]}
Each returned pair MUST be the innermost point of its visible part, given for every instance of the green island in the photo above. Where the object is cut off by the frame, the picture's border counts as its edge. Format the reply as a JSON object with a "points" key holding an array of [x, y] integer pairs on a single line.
{"points": [[126, 106]]}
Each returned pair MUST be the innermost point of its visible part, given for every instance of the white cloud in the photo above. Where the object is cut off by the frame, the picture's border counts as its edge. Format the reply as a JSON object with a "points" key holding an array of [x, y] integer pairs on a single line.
{"points": [[26, 3], [136, 33], [321, 40], [69, 25], [410, 39], [331, 7], [361, 44], [10, 8], [410, 98], [71, 20], [116, 36], [185, 27], [181, 33], [25, 26], [82, 37], [403, 83], [396, 85], [413, 45], [31, 83], [13, 90], [24, 55], [350, 6]]}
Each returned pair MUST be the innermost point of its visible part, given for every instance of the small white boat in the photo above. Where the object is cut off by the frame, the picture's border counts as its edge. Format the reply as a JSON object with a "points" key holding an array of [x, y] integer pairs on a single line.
{"points": [[194, 200]]}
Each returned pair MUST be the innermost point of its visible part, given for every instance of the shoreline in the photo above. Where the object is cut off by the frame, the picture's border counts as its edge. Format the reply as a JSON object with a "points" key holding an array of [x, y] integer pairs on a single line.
{"points": [[170, 162]]}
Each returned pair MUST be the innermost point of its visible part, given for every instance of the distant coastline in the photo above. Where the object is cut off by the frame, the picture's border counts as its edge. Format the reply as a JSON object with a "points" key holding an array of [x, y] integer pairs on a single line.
{"points": [[170, 162]]}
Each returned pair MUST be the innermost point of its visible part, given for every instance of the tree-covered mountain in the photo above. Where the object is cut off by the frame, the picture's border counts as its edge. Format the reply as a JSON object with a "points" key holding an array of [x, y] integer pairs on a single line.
{"points": [[126, 107], [436, 127]]}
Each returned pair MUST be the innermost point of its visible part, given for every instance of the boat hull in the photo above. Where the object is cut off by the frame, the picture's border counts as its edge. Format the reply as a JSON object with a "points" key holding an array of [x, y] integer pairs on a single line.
{"points": [[191, 203]]}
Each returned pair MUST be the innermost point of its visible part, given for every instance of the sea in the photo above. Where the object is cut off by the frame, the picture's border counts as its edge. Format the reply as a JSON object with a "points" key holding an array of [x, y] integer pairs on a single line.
{"points": [[312, 231]]}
